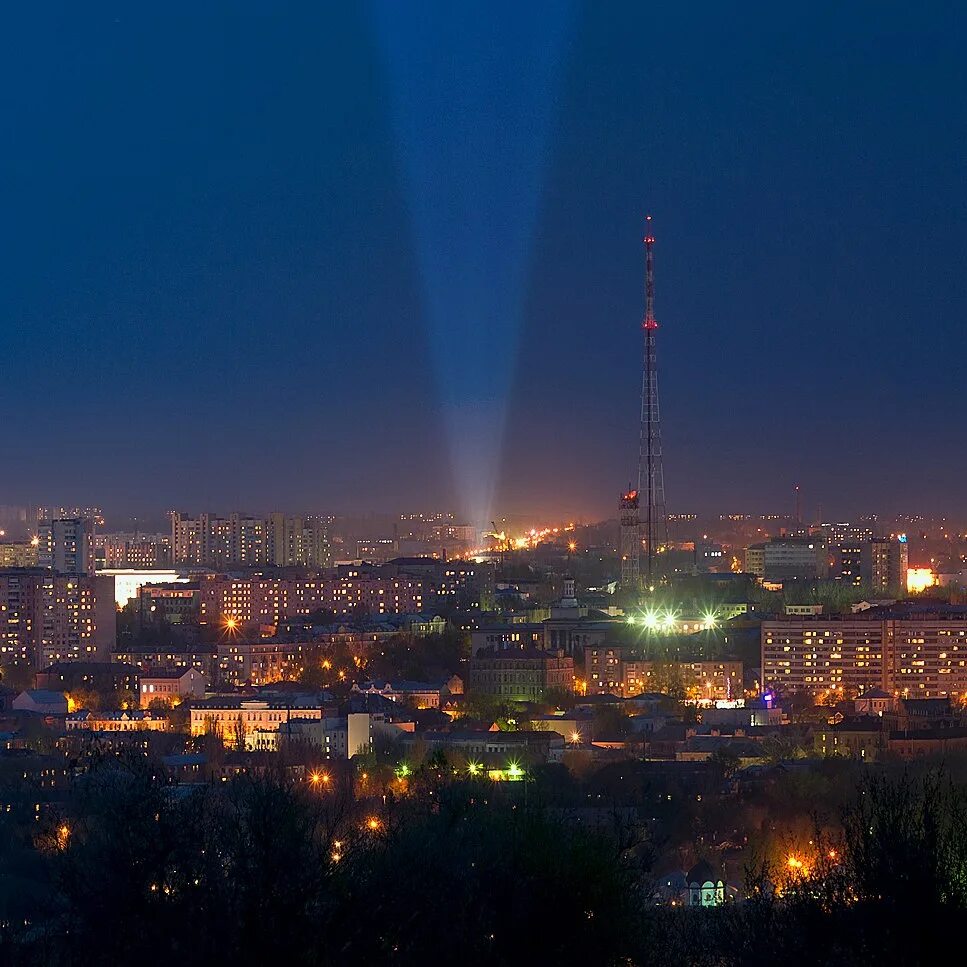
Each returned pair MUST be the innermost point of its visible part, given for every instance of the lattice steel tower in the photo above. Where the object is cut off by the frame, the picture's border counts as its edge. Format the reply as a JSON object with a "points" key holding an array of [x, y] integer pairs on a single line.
{"points": [[651, 480]]}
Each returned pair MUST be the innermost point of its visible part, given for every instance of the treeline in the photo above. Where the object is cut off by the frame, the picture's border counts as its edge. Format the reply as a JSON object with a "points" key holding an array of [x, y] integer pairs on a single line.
{"points": [[261, 870]]}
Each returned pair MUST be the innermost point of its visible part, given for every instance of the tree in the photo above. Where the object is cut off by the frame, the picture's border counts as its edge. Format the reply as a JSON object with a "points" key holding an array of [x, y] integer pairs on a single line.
{"points": [[609, 721], [85, 698], [179, 718], [17, 675], [314, 676], [726, 762], [238, 735], [126, 698]]}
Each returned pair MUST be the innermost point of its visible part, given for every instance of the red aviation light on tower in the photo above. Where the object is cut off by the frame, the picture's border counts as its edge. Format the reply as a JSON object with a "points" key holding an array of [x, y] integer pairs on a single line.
{"points": [[649, 240]]}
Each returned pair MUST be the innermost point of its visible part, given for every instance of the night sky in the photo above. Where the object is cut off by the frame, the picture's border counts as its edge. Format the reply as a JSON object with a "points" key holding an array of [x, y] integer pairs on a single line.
{"points": [[333, 259]]}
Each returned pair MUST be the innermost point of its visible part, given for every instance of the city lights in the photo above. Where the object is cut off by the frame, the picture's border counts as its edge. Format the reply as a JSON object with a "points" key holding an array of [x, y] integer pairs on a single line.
{"points": [[919, 579], [333, 334]]}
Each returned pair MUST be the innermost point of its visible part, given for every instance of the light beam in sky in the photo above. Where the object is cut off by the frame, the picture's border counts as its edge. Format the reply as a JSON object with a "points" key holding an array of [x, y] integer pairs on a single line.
{"points": [[473, 89]]}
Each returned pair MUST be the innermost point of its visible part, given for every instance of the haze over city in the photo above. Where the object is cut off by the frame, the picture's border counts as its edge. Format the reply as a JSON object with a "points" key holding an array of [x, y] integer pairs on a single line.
{"points": [[229, 258]]}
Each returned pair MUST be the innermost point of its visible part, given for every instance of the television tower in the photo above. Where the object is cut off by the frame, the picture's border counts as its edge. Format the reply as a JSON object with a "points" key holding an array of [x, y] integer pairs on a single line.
{"points": [[651, 479]]}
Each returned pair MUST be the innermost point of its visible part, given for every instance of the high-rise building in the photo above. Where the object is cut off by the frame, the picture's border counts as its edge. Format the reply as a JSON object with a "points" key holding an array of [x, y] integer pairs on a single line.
{"points": [[848, 562], [188, 539], [885, 564], [66, 545], [299, 540], [908, 649], [847, 532], [79, 619], [789, 559], [47, 617], [242, 541], [21, 614], [132, 550]]}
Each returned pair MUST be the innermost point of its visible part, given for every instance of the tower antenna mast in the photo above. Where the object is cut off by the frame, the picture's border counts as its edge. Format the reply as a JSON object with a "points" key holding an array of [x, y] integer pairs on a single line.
{"points": [[650, 471]]}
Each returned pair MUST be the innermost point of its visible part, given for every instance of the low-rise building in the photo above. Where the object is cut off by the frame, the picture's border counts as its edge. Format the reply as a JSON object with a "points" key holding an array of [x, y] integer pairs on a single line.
{"points": [[41, 701], [100, 676], [621, 670], [521, 675], [233, 718], [133, 720], [490, 748], [338, 736], [419, 695], [168, 659], [172, 687]]}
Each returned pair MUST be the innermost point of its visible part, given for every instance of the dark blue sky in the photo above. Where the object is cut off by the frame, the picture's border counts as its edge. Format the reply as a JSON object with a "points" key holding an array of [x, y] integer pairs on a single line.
{"points": [[218, 286]]}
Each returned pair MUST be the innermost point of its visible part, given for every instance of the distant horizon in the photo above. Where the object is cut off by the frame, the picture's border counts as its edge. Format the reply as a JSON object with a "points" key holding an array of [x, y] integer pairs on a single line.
{"points": [[157, 521]]}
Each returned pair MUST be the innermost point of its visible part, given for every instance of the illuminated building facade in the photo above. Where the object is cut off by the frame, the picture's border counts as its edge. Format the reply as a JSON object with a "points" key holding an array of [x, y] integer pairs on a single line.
{"points": [[908, 650], [19, 554], [235, 719], [79, 618], [404, 586], [620, 671], [848, 563], [755, 559], [261, 662], [132, 550], [847, 532], [21, 614], [172, 687]]}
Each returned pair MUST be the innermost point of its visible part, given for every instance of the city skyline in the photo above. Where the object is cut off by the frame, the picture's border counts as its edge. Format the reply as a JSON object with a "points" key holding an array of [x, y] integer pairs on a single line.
{"points": [[348, 352]]}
